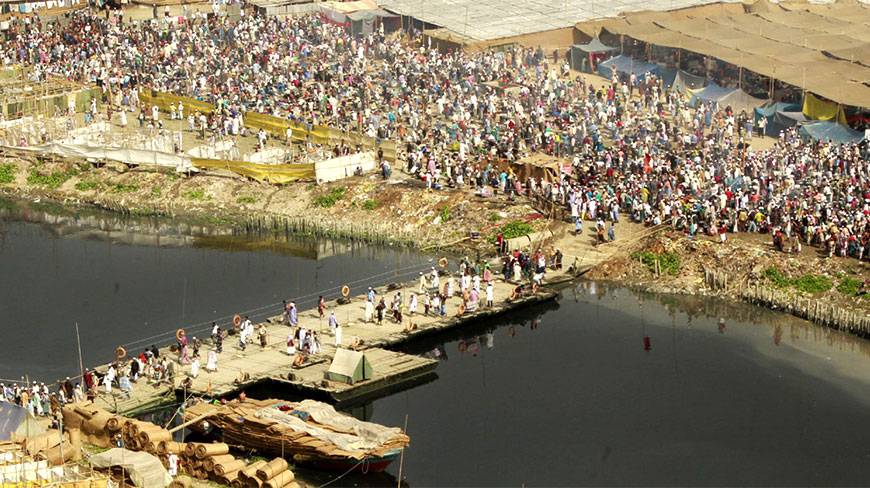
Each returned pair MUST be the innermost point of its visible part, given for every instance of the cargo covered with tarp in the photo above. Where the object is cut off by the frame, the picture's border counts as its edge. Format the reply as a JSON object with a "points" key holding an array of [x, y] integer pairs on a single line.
{"points": [[626, 65], [16, 422], [145, 470], [825, 131], [308, 432]]}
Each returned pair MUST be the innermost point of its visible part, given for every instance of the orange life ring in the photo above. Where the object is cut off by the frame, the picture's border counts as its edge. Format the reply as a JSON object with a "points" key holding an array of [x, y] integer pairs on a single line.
{"points": [[442, 262], [345, 291], [120, 353], [179, 334], [237, 320], [461, 309]]}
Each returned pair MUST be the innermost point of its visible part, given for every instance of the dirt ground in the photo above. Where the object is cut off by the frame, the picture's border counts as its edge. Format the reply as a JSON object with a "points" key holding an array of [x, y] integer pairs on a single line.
{"points": [[744, 258]]}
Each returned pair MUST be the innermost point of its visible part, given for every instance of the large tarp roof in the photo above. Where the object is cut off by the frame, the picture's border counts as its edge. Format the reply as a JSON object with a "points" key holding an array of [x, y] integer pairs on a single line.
{"points": [[822, 51], [831, 131]]}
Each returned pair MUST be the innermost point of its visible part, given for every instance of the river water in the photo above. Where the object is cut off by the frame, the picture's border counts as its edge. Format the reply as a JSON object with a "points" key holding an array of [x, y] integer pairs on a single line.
{"points": [[124, 280], [564, 393]]}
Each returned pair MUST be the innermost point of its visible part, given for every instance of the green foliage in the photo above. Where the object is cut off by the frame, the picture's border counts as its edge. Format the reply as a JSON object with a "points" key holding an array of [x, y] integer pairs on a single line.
{"points": [[849, 286], [331, 198], [494, 217], [7, 173], [370, 204], [808, 283], [156, 191], [124, 188], [444, 214], [246, 199], [776, 277], [811, 283], [88, 185], [515, 229], [668, 262], [53, 180], [195, 194]]}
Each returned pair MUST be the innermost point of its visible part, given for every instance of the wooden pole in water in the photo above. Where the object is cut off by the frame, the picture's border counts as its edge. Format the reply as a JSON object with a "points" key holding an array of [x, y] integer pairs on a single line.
{"points": [[81, 363], [402, 456]]}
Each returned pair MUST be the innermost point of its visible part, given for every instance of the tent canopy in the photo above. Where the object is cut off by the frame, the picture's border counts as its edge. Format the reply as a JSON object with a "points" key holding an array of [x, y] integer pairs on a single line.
{"points": [[831, 131], [626, 65], [349, 367], [594, 46], [710, 93]]}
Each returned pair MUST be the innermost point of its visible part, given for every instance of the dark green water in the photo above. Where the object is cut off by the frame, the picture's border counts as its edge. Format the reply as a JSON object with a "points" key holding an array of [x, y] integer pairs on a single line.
{"points": [[562, 394]]}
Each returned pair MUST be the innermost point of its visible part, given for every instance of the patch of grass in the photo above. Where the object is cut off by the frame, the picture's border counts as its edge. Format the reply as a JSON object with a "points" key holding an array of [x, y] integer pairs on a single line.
{"points": [[776, 277], [246, 199], [52, 180], [849, 286], [124, 188], [370, 204], [156, 191], [515, 229], [331, 198], [668, 262], [88, 185], [195, 194], [811, 283], [7, 173], [808, 283], [494, 217], [444, 214]]}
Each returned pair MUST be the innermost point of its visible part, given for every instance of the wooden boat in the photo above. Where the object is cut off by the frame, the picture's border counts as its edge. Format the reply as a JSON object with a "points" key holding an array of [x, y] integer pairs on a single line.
{"points": [[309, 433]]}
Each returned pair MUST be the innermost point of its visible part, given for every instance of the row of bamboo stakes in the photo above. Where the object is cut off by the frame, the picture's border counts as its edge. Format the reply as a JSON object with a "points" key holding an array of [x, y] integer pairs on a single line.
{"points": [[204, 461]]}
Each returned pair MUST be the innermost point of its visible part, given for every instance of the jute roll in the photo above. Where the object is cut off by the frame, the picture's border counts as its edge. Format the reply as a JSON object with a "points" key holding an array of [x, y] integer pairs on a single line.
{"points": [[209, 462], [204, 450], [251, 471], [180, 482], [253, 482], [221, 469], [170, 447], [190, 450], [281, 480], [271, 469], [97, 422]]}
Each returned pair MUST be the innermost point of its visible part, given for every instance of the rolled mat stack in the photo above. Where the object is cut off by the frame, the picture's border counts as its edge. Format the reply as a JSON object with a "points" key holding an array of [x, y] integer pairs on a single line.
{"points": [[98, 426]]}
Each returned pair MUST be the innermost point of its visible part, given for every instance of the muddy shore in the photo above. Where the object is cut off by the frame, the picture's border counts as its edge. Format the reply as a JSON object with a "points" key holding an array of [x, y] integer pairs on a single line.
{"points": [[828, 291]]}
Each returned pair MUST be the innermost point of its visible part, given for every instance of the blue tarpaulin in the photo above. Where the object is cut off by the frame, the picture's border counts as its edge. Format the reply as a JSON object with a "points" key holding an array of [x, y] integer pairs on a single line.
{"points": [[626, 65], [831, 131], [710, 93], [776, 124]]}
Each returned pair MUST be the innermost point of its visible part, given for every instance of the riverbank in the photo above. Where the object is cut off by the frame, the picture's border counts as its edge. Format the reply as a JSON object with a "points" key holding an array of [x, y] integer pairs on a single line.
{"points": [[810, 285], [399, 211]]}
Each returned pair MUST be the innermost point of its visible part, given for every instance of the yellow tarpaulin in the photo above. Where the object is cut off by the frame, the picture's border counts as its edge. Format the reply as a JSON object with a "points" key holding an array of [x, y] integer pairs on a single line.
{"points": [[817, 109], [270, 173], [165, 101]]}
